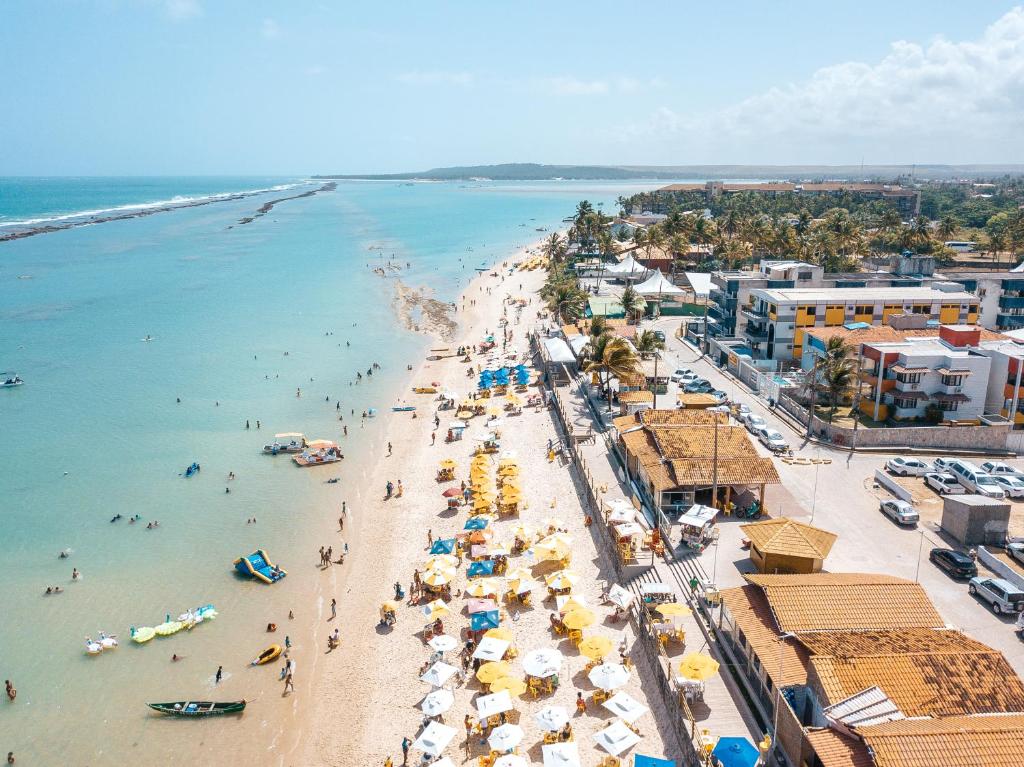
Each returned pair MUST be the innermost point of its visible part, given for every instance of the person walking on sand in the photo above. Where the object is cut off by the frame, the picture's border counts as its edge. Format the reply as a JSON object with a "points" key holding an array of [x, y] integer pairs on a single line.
{"points": [[389, 448], [219, 675], [334, 609], [321, 556], [341, 524], [388, 762], [433, 437], [405, 751], [400, 490], [289, 686], [430, 538]]}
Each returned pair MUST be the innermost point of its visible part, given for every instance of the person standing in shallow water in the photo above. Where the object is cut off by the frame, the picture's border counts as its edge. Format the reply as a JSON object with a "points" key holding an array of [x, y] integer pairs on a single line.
{"points": [[219, 675]]}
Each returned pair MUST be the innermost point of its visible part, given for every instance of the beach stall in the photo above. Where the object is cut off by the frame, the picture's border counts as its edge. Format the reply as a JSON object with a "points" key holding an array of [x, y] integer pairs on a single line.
{"points": [[483, 621], [443, 546], [446, 470], [697, 526], [456, 430]]}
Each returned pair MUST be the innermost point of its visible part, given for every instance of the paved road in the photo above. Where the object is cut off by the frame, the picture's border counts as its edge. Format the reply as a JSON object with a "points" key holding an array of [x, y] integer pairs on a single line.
{"points": [[843, 500]]}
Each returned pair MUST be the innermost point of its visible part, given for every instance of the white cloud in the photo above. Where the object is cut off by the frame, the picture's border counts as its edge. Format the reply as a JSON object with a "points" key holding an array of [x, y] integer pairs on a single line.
{"points": [[463, 79], [965, 96], [182, 10], [270, 29]]}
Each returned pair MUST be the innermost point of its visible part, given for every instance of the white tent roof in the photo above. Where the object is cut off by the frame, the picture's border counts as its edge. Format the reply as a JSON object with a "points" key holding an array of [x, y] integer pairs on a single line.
{"points": [[558, 350], [656, 285], [700, 282], [627, 267], [576, 343], [1018, 268]]}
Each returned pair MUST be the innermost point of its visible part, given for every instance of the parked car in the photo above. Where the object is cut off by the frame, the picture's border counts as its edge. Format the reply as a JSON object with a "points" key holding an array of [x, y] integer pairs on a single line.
{"points": [[1012, 485], [900, 512], [718, 409], [772, 440], [907, 467], [944, 484], [720, 396], [977, 481], [1002, 595], [742, 410], [754, 423], [660, 335], [945, 464], [684, 374], [1000, 469], [1015, 549], [956, 563], [700, 386]]}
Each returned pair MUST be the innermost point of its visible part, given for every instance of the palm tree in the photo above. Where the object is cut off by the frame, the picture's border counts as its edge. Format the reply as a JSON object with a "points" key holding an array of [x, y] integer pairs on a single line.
{"points": [[611, 357], [632, 302], [566, 301], [834, 372], [554, 247], [647, 343], [598, 326], [947, 227]]}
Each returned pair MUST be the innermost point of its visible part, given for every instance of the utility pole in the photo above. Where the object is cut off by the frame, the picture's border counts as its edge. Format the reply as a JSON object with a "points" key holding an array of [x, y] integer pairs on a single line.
{"points": [[714, 469], [654, 389]]}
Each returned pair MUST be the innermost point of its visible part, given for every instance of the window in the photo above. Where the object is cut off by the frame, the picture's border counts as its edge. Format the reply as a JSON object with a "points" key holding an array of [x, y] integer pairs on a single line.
{"points": [[864, 309], [904, 403], [952, 380], [947, 407], [810, 311], [804, 275], [921, 309], [908, 377], [973, 308]]}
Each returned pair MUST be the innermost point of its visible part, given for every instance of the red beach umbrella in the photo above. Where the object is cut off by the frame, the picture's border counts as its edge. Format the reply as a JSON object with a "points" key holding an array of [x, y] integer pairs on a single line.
{"points": [[451, 492]]}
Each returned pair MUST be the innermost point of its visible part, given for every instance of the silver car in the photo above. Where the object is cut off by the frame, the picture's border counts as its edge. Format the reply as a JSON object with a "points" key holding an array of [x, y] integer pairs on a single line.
{"points": [[754, 423], [907, 467], [900, 512], [772, 440], [1011, 484]]}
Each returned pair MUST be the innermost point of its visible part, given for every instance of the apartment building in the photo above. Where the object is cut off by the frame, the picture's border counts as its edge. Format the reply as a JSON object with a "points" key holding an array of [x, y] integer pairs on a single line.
{"points": [[1000, 297], [779, 318]]}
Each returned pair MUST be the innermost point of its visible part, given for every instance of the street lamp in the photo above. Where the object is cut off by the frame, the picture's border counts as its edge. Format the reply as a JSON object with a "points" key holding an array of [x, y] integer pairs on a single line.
{"points": [[920, 548]]}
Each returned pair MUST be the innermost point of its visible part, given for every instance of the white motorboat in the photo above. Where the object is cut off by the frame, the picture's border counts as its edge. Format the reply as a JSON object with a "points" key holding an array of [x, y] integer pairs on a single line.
{"points": [[289, 442], [10, 381]]}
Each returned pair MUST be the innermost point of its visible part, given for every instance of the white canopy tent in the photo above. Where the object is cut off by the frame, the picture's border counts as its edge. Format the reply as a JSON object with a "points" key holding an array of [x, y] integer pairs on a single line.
{"points": [[700, 282], [627, 269], [656, 286]]}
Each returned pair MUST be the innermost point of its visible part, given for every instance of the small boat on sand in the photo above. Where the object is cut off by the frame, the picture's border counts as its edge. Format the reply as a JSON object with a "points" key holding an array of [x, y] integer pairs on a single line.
{"points": [[199, 708], [404, 409], [288, 442], [268, 655]]}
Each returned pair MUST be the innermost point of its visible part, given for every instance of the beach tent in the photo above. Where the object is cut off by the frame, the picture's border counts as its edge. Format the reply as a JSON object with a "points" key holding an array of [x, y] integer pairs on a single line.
{"points": [[438, 674], [641, 760], [443, 643], [476, 523], [624, 706], [544, 662], [489, 705], [558, 351], [616, 738], [609, 676], [700, 282], [656, 286], [484, 621], [491, 649], [476, 569], [627, 269], [735, 752], [505, 737], [434, 738], [443, 546], [437, 702], [551, 718]]}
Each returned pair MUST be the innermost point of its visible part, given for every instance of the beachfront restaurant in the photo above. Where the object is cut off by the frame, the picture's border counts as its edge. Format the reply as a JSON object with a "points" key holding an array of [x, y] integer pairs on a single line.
{"points": [[678, 458], [559, 360]]}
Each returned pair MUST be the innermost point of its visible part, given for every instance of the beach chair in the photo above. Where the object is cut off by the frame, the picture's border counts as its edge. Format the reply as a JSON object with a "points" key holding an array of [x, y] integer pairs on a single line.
{"points": [[610, 761], [550, 737], [600, 696], [534, 686], [575, 636]]}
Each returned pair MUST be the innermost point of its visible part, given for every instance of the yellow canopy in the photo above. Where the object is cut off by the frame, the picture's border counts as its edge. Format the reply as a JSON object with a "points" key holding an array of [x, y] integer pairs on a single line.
{"points": [[494, 411], [512, 399], [441, 562], [698, 666], [515, 687], [499, 633], [519, 572], [448, 463], [483, 587], [388, 606], [571, 604], [563, 579], [512, 483], [673, 609], [595, 647], [436, 609], [492, 671], [524, 532], [437, 577], [579, 618]]}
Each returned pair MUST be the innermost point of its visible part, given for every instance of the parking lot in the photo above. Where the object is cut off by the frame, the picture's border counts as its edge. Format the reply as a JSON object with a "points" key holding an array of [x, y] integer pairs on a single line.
{"points": [[841, 496]]}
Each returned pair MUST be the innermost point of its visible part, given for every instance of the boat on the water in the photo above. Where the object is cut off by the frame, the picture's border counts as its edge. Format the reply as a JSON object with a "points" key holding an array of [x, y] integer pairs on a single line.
{"points": [[268, 655], [287, 442], [11, 381], [319, 452], [199, 708]]}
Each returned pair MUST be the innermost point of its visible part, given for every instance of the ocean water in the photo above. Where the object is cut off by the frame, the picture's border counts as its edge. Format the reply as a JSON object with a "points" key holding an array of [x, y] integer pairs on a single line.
{"points": [[241, 317]]}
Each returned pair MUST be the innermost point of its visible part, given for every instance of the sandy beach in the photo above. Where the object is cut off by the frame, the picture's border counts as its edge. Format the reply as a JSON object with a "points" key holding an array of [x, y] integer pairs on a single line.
{"points": [[365, 695]]}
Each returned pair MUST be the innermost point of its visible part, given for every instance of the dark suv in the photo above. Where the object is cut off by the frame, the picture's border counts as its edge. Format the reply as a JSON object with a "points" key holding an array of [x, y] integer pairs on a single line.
{"points": [[955, 563]]}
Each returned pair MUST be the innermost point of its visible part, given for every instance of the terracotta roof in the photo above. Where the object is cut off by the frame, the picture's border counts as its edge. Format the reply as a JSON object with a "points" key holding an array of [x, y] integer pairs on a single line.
{"points": [[837, 750], [699, 441], [632, 379], [958, 741], [676, 417], [637, 396], [731, 471], [789, 537], [924, 672], [887, 334], [846, 602], [750, 612], [696, 399]]}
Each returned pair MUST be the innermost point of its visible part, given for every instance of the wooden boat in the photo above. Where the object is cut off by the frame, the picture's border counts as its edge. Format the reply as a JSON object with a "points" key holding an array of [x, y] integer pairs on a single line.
{"points": [[425, 389], [404, 409], [199, 708], [268, 655]]}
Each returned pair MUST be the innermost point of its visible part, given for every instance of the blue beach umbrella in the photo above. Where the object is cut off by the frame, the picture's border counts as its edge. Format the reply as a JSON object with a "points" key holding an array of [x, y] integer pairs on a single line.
{"points": [[445, 546], [486, 567], [735, 752], [476, 523], [640, 760], [484, 621]]}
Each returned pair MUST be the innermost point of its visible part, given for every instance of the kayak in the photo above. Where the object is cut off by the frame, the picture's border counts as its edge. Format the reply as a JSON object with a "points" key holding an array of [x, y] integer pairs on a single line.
{"points": [[268, 655], [143, 634], [405, 409], [199, 708]]}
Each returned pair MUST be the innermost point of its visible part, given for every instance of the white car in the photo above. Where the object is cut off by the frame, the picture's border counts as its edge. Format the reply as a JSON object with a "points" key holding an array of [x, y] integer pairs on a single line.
{"points": [[906, 467], [1000, 469], [742, 410], [754, 423], [684, 375], [900, 512], [720, 396], [772, 440], [944, 484], [1016, 550], [946, 464], [1012, 485]]}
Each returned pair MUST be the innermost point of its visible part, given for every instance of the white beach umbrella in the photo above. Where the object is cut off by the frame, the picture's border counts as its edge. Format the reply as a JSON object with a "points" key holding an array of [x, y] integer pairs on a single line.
{"points": [[434, 738], [491, 649], [443, 643], [506, 737], [508, 760], [437, 702], [543, 662], [626, 707], [551, 718], [561, 755], [608, 676], [446, 762], [489, 705], [620, 597], [438, 674], [616, 738]]}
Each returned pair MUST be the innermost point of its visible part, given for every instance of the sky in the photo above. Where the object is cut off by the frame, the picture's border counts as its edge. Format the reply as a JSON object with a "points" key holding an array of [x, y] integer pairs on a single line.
{"points": [[182, 87]]}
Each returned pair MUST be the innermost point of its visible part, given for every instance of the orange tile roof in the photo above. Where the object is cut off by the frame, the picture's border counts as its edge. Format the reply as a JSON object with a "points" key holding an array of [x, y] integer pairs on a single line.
{"points": [[995, 740], [730, 471], [636, 396], [846, 602], [785, 661], [837, 750], [877, 334], [789, 537]]}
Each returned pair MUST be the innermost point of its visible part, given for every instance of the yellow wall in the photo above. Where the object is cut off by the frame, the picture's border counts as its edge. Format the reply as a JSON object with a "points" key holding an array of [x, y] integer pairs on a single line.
{"points": [[972, 318], [889, 310], [835, 315], [867, 407], [949, 315], [803, 319]]}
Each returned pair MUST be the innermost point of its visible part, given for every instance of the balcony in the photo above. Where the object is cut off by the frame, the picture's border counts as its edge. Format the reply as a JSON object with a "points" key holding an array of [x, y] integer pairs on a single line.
{"points": [[756, 334], [1009, 321], [757, 316], [1011, 302]]}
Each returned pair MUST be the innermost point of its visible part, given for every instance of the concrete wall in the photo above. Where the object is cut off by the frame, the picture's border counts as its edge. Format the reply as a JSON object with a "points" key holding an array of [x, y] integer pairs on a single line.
{"points": [[974, 520], [1000, 568]]}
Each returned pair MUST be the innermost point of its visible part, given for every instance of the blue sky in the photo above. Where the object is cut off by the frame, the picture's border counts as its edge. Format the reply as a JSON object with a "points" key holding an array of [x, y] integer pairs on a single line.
{"points": [[113, 87]]}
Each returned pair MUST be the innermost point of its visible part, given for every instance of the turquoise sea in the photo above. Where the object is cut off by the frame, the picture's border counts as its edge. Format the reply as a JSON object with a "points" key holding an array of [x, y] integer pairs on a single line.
{"points": [[240, 317]]}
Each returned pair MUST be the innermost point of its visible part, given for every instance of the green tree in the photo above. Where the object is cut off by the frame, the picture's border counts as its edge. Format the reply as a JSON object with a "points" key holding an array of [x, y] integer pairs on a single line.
{"points": [[611, 357], [647, 343], [632, 302], [948, 226]]}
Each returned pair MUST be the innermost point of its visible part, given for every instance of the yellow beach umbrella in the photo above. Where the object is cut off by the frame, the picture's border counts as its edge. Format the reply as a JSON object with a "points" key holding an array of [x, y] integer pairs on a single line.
{"points": [[492, 671], [673, 609], [498, 550], [483, 587], [595, 647], [524, 532], [698, 666], [557, 539], [579, 619], [563, 579], [448, 463], [389, 606], [519, 572], [494, 411], [571, 604], [441, 562], [499, 633], [515, 482], [512, 399], [437, 577], [514, 687], [510, 470], [436, 609]]}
